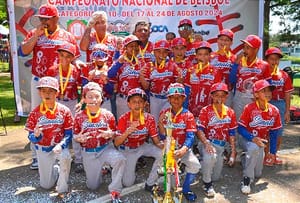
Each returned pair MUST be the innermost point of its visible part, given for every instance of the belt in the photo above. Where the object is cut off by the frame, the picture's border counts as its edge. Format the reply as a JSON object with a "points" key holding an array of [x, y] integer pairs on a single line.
{"points": [[44, 149], [221, 143], [105, 99], [123, 147], [97, 149], [66, 100], [122, 96], [159, 96], [35, 78]]}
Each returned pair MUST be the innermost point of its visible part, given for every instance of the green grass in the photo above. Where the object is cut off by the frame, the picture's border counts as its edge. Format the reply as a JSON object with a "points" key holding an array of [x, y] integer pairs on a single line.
{"points": [[295, 101], [7, 105], [4, 68]]}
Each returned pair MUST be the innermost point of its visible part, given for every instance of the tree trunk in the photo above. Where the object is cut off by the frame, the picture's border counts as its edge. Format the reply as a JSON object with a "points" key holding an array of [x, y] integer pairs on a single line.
{"points": [[266, 25]]}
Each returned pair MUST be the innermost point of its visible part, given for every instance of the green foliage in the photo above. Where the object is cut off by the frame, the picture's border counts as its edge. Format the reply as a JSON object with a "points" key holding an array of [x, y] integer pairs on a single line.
{"points": [[3, 11]]}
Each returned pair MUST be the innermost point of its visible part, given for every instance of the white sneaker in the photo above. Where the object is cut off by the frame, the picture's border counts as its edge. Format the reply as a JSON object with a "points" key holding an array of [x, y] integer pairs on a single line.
{"points": [[245, 186], [210, 192]]}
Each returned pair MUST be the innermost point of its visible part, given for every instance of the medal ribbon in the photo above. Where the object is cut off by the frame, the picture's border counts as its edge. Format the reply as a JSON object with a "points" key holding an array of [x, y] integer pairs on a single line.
{"points": [[143, 51], [161, 65], [245, 64], [223, 111], [227, 53], [275, 71], [266, 105], [91, 118], [63, 85], [44, 108], [179, 112], [200, 67], [141, 117], [98, 40], [47, 33]]}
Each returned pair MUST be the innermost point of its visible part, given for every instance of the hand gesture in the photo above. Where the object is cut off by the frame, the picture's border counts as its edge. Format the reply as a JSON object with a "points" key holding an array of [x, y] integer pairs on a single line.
{"points": [[260, 142], [37, 131], [40, 30], [81, 137], [209, 148], [239, 57], [57, 149]]}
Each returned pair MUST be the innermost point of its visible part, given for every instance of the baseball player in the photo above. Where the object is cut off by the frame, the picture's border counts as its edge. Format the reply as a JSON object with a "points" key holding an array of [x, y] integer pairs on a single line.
{"points": [[200, 78], [183, 131], [281, 95], [126, 72], [134, 128], [157, 76], [50, 129], [178, 46], [94, 129], [223, 59], [69, 81], [259, 122], [96, 33], [43, 42], [216, 127]]}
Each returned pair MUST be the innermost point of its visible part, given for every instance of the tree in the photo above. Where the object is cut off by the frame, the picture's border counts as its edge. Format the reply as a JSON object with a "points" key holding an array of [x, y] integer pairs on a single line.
{"points": [[3, 10]]}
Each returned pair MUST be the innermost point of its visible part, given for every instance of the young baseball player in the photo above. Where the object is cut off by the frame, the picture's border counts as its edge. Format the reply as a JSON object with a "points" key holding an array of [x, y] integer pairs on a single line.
{"points": [[183, 131], [157, 76], [259, 122], [217, 125], [134, 128], [69, 81], [200, 78], [281, 95], [126, 72], [223, 59], [50, 129], [94, 129]]}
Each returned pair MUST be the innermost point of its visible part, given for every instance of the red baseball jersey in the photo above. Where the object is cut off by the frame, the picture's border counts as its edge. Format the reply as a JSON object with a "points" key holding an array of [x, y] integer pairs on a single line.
{"points": [[146, 53], [127, 77], [44, 52], [104, 121], [215, 127], [259, 123], [74, 81], [138, 137], [184, 65], [53, 125], [161, 78], [109, 40], [182, 123], [282, 83], [223, 64], [200, 84], [247, 76]]}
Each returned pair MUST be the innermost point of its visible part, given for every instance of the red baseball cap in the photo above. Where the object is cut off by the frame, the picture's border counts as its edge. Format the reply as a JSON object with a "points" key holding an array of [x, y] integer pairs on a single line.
{"points": [[261, 84], [227, 33], [129, 39], [68, 47], [219, 87], [176, 89], [47, 11], [50, 82], [136, 92], [178, 41], [253, 41], [161, 44], [202, 45], [185, 22], [273, 50], [91, 86]]}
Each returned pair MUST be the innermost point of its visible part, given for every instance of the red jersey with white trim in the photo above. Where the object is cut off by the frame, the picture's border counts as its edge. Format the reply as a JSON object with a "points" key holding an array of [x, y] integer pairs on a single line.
{"points": [[223, 64], [138, 137], [74, 81], [182, 123], [282, 83], [161, 78], [200, 84], [54, 125], [215, 127], [259, 123], [184, 65], [146, 52], [91, 129], [45, 52], [109, 40], [127, 77], [247, 76]]}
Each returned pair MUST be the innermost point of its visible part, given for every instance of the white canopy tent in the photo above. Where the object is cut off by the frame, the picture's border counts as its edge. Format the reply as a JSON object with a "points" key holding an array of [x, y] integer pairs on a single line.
{"points": [[4, 30]]}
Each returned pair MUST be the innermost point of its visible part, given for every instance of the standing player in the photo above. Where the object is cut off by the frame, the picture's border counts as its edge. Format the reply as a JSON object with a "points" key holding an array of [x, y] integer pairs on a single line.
{"points": [[259, 122], [217, 125], [50, 129], [281, 95], [94, 129], [157, 76], [184, 134], [200, 78], [223, 59], [43, 42], [134, 128]]}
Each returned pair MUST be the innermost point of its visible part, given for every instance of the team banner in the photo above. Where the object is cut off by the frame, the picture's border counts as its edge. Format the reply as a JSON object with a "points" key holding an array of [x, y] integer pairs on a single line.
{"points": [[208, 17]]}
